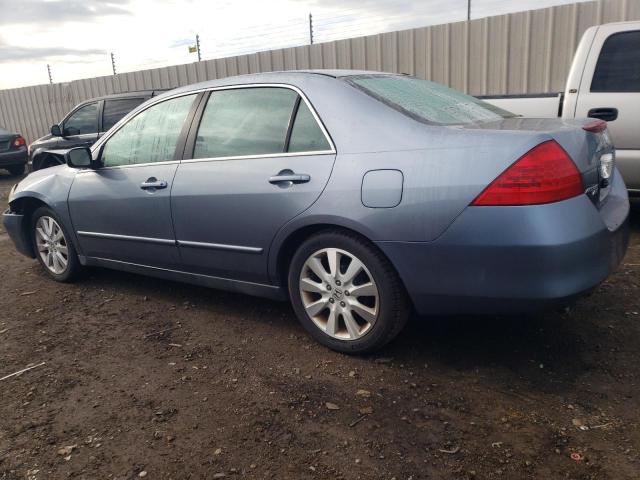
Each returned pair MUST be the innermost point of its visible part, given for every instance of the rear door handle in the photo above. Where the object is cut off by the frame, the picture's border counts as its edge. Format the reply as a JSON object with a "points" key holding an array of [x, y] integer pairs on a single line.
{"points": [[153, 184], [290, 177], [608, 114]]}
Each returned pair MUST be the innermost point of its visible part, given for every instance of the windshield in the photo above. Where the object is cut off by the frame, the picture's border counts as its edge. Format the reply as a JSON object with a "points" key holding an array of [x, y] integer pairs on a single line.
{"points": [[427, 101]]}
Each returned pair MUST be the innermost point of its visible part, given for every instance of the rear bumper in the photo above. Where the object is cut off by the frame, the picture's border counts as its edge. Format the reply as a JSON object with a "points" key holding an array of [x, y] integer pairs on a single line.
{"points": [[495, 260], [14, 225], [14, 157]]}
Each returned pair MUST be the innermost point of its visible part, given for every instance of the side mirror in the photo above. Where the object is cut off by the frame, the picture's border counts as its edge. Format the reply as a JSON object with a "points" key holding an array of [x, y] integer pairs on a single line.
{"points": [[79, 157], [55, 130]]}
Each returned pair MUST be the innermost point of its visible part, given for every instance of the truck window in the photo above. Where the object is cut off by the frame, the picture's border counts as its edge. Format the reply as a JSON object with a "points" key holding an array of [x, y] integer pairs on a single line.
{"points": [[618, 67], [114, 110]]}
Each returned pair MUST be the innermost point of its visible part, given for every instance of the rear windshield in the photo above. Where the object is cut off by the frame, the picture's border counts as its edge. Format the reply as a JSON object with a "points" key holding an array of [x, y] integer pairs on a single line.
{"points": [[427, 101]]}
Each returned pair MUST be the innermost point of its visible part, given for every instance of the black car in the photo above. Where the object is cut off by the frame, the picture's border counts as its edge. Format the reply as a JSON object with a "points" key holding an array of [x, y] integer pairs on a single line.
{"points": [[13, 152], [83, 125]]}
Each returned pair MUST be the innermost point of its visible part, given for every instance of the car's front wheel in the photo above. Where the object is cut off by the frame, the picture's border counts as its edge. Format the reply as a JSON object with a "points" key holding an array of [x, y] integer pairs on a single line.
{"points": [[53, 249], [346, 293]]}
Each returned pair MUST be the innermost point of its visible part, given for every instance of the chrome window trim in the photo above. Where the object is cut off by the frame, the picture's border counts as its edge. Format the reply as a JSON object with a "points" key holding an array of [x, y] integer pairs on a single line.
{"points": [[266, 155], [133, 165], [96, 146]]}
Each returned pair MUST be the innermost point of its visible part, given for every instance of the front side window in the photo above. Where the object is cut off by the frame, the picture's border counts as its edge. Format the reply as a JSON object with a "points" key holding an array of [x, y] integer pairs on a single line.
{"points": [[114, 110], [82, 121], [618, 67], [151, 136], [427, 101], [245, 121]]}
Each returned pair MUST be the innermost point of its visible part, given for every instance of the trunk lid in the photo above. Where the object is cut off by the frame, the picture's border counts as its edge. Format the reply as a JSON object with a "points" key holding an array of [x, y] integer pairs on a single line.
{"points": [[589, 150]]}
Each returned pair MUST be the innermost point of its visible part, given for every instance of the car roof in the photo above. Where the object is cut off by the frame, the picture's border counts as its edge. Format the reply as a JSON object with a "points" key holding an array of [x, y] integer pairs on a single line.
{"points": [[283, 76]]}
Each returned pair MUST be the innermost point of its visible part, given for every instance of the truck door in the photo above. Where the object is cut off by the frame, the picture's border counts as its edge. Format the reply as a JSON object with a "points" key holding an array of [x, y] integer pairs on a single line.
{"points": [[610, 90]]}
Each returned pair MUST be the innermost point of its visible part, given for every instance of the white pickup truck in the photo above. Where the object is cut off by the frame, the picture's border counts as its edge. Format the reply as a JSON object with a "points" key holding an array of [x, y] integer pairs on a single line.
{"points": [[604, 83]]}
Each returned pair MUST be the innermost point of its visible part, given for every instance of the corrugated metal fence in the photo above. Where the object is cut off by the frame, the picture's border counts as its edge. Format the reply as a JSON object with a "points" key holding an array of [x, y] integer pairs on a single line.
{"points": [[525, 52]]}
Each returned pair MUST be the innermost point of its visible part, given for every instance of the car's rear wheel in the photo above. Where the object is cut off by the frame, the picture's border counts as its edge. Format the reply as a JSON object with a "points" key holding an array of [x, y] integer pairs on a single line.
{"points": [[16, 170], [53, 249], [346, 293]]}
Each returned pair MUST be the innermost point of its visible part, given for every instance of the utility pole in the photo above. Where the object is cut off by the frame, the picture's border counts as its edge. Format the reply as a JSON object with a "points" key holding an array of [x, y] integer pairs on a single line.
{"points": [[468, 10], [49, 71], [310, 29], [113, 63], [198, 45]]}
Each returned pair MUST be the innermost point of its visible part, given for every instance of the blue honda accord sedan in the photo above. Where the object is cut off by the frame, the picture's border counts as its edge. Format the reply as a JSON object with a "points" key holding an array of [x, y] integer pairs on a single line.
{"points": [[359, 196]]}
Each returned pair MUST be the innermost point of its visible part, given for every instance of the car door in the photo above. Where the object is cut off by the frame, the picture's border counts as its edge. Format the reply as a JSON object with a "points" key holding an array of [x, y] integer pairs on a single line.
{"points": [[121, 211], [81, 127], [259, 157], [610, 90]]}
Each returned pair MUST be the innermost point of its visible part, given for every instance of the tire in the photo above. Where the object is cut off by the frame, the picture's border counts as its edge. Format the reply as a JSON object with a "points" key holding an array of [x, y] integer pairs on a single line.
{"points": [[16, 170], [329, 311], [49, 223]]}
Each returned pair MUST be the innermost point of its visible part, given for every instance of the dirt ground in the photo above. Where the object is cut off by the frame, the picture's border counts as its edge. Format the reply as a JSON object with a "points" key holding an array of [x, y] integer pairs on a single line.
{"points": [[232, 387]]}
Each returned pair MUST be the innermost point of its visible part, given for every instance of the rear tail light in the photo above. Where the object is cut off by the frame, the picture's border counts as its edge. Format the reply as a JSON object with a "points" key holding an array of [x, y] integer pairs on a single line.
{"points": [[544, 174], [19, 142]]}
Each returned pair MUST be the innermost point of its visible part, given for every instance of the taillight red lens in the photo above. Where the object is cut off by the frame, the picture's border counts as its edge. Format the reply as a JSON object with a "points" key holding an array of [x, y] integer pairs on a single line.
{"points": [[19, 142], [544, 174]]}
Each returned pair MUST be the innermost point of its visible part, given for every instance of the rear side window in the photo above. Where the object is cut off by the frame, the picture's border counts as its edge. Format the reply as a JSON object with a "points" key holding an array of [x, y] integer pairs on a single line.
{"points": [[427, 101], [245, 121], [114, 110], [618, 67], [150, 136], [306, 134], [82, 121]]}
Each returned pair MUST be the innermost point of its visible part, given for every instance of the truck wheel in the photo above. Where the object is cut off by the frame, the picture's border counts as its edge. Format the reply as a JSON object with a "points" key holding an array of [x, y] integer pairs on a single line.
{"points": [[346, 293]]}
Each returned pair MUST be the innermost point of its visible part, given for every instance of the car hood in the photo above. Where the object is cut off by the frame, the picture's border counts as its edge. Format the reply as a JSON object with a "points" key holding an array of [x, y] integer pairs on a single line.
{"points": [[41, 140]]}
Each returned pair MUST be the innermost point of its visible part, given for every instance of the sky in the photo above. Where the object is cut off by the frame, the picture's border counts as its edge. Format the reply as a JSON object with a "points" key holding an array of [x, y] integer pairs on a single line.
{"points": [[76, 37]]}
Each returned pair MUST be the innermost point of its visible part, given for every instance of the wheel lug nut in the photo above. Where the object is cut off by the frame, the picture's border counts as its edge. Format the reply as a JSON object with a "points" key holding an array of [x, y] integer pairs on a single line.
{"points": [[338, 283], [346, 292], [328, 287], [342, 304], [331, 300]]}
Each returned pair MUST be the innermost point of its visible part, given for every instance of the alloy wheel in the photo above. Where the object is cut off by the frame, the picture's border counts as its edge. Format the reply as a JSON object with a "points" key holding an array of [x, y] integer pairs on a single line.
{"points": [[339, 294], [51, 245]]}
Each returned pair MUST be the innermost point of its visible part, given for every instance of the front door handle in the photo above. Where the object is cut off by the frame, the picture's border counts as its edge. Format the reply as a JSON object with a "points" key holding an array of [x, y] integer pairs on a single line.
{"points": [[287, 176], [153, 184], [608, 114]]}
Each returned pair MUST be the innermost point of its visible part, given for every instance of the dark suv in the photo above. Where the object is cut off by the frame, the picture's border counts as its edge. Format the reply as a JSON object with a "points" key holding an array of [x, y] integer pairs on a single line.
{"points": [[83, 125]]}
